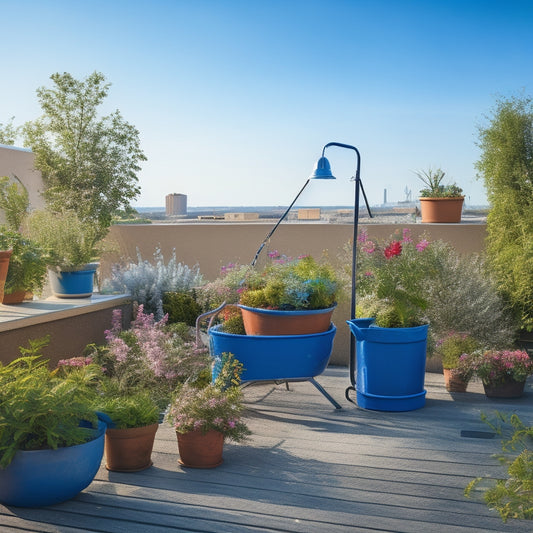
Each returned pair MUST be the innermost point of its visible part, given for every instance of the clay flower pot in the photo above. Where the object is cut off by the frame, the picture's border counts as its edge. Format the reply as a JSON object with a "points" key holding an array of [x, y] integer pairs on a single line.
{"points": [[200, 450], [4, 265], [508, 389], [129, 450], [453, 382], [441, 210]]}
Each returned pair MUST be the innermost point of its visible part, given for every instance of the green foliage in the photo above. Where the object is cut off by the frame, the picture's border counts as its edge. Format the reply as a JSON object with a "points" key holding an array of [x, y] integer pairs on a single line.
{"points": [[286, 283], [434, 188], [132, 411], [69, 241], [511, 497], [8, 132], [14, 201], [40, 409], [506, 167], [27, 265], [89, 164], [181, 307], [217, 405], [453, 346], [147, 281]]}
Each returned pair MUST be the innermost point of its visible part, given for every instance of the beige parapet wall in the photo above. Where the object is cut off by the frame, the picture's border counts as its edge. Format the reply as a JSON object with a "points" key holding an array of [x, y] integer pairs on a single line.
{"points": [[19, 162], [212, 245]]}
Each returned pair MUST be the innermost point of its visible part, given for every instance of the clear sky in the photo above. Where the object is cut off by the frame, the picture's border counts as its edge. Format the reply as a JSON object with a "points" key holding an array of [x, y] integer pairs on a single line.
{"points": [[234, 99]]}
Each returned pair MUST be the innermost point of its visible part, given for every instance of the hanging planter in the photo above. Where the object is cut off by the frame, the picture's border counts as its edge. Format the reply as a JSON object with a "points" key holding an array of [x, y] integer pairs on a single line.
{"points": [[259, 321], [200, 450], [391, 366], [45, 477]]}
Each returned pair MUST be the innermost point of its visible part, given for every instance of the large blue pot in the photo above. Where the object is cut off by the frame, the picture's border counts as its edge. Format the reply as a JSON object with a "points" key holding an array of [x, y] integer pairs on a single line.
{"points": [[275, 357], [73, 284], [44, 477], [391, 366]]}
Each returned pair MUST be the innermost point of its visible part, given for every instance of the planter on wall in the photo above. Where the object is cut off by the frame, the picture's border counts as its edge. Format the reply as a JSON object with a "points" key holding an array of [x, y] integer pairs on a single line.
{"points": [[4, 265], [73, 283], [391, 366], [44, 477], [441, 210], [259, 321]]}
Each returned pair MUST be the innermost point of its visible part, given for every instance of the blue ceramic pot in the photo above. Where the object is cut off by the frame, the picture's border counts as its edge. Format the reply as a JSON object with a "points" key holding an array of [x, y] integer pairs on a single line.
{"points": [[44, 477], [73, 284], [391, 366], [272, 357]]}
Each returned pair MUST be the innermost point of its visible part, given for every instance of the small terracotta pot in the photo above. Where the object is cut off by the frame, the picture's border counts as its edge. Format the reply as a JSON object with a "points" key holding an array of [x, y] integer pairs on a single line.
{"points": [[508, 389], [453, 382], [4, 265], [129, 450], [277, 322], [16, 297], [441, 210], [200, 450]]}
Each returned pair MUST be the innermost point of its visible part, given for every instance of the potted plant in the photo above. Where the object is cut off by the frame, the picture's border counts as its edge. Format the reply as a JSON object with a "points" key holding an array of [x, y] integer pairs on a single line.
{"points": [[502, 372], [142, 367], [205, 416], [73, 247], [51, 441], [287, 297], [391, 335], [450, 349], [439, 203], [5, 255], [27, 266]]}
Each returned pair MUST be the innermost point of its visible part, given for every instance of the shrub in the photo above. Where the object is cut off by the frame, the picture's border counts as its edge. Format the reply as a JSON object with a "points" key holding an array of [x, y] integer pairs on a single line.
{"points": [[181, 307]]}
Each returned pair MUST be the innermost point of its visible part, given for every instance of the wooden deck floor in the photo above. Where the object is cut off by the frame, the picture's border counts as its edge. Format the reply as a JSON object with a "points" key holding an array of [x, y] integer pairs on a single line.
{"points": [[308, 468]]}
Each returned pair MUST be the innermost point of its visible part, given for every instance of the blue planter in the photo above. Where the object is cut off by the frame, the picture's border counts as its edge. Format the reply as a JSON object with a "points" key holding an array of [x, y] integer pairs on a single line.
{"points": [[275, 357], [391, 366], [45, 477], [73, 284]]}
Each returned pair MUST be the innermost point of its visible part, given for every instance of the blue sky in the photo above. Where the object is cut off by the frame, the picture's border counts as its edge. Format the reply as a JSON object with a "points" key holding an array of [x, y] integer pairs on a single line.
{"points": [[234, 100]]}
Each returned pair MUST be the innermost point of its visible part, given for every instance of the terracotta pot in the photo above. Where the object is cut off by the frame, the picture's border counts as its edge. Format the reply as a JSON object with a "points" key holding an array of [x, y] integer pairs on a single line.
{"points": [[439, 210], [453, 382], [277, 322], [129, 450], [16, 297], [508, 389], [200, 450], [4, 265]]}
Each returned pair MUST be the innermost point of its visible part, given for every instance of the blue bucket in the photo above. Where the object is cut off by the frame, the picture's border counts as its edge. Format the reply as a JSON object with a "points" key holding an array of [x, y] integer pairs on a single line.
{"points": [[391, 366], [275, 357], [44, 477]]}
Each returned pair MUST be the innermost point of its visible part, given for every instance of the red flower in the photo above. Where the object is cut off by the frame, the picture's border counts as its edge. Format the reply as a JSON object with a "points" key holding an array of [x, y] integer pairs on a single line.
{"points": [[394, 248]]}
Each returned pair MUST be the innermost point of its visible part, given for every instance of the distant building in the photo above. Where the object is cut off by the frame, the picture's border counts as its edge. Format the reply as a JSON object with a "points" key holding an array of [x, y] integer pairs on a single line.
{"points": [[175, 204], [241, 216], [312, 213]]}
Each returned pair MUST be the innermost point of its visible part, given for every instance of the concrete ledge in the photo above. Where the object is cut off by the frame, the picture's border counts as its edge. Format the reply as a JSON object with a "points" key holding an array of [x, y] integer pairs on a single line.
{"points": [[71, 324]]}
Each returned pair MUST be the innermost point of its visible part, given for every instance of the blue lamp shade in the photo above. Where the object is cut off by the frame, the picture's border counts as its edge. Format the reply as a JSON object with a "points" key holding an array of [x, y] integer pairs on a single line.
{"points": [[322, 170]]}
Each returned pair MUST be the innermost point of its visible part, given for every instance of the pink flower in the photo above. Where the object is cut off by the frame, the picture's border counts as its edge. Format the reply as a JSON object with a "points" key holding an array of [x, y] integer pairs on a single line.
{"points": [[393, 249], [422, 245], [407, 235]]}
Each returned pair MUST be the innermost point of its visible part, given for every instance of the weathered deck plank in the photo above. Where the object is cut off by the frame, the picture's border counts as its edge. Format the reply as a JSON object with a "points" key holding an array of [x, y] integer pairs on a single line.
{"points": [[307, 468]]}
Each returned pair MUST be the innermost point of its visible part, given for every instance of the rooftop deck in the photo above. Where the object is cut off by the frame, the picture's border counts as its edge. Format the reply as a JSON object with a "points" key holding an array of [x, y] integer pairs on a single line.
{"points": [[308, 468]]}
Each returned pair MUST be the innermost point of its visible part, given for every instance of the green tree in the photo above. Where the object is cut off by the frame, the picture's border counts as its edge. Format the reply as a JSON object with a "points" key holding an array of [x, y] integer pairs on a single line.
{"points": [[506, 166], [89, 164], [8, 132]]}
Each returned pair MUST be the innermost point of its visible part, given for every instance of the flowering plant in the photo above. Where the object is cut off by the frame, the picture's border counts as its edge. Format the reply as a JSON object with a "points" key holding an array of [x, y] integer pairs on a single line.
{"points": [[453, 345], [217, 406], [149, 356], [393, 279], [284, 283], [494, 367]]}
